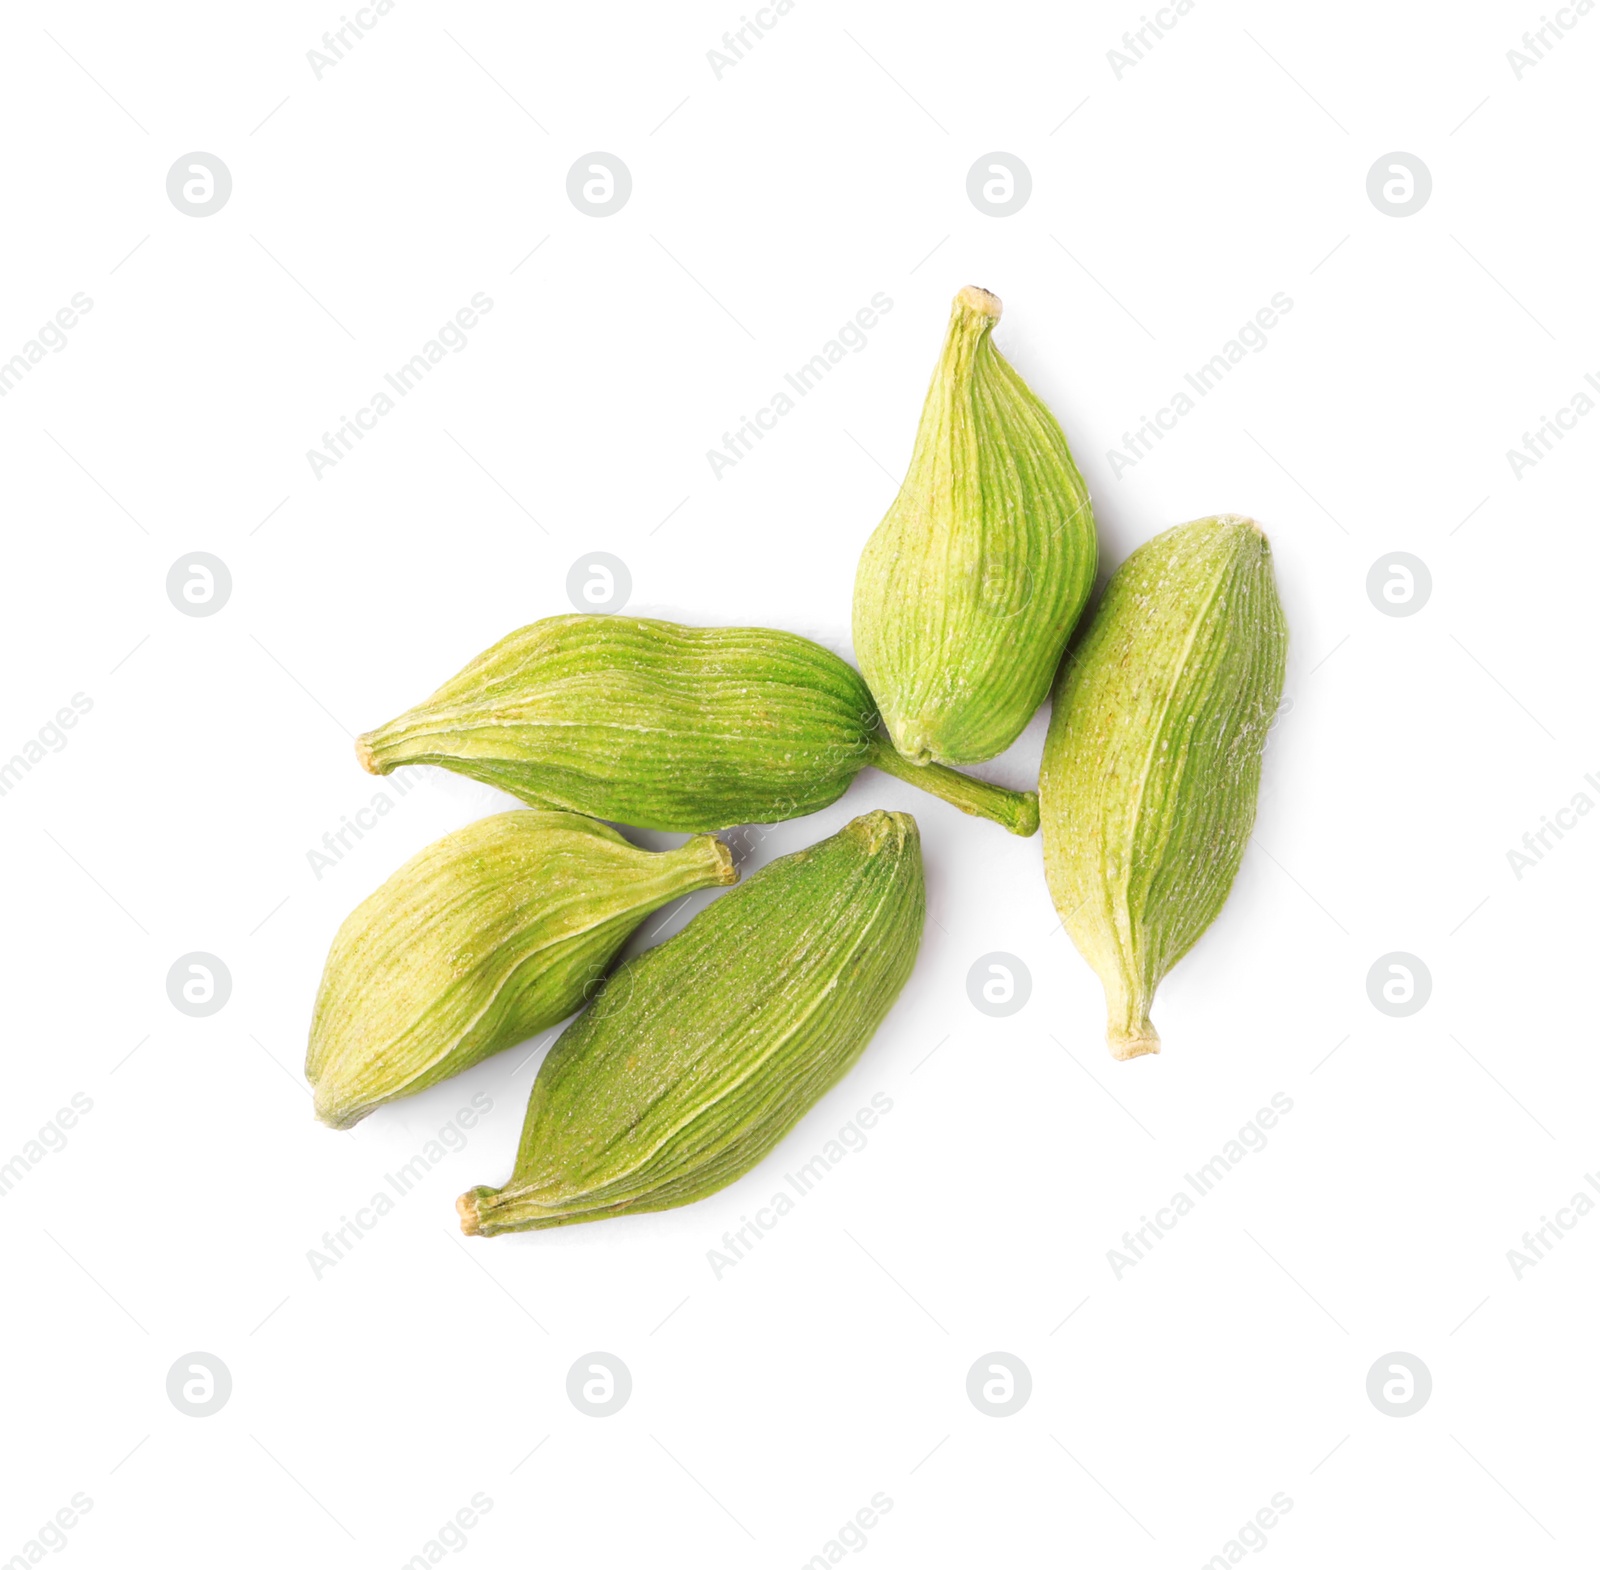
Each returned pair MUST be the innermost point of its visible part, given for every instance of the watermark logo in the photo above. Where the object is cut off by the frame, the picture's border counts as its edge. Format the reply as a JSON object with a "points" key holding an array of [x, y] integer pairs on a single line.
{"points": [[339, 1242], [1249, 338], [599, 184], [452, 1535], [1399, 584], [1399, 984], [1399, 1384], [1279, 715], [738, 1242], [199, 1384], [999, 1384], [599, 582], [1137, 44], [1536, 842], [1538, 42], [599, 1384], [999, 984], [1540, 442], [51, 738], [852, 1535], [851, 338], [50, 1138], [1538, 1241], [1139, 1242], [337, 42], [1252, 1535], [450, 336], [999, 184], [199, 185], [739, 41], [52, 336], [198, 984], [336, 842], [53, 1534], [1399, 185], [199, 584]]}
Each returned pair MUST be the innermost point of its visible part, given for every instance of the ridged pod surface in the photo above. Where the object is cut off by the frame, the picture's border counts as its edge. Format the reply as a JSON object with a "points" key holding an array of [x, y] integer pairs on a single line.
{"points": [[970, 586], [700, 1055], [488, 936], [1153, 759], [650, 723]]}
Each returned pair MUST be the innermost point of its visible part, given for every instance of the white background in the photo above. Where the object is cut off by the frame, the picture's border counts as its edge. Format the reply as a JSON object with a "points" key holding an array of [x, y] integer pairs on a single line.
{"points": [[771, 1404]]}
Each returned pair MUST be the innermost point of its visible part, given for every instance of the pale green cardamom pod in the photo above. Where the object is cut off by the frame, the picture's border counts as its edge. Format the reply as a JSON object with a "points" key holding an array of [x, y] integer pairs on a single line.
{"points": [[687, 729], [1153, 760], [700, 1055], [487, 937], [969, 588]]}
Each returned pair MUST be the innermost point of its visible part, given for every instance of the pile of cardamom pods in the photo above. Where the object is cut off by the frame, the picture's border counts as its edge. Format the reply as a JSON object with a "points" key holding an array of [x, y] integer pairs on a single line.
{"points": [[693, 1059]]}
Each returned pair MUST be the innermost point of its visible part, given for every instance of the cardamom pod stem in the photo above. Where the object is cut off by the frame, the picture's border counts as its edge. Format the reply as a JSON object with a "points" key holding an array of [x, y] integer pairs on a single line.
{"points": [[1153, 759], [688, 729], [487, 937], [970, 586], [699, 1055], [1016, 810]]}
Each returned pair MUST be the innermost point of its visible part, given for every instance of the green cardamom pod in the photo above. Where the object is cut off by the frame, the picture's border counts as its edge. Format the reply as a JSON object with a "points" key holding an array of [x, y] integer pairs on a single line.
{"points": [[688, 729], [1153, 760], [968, 590], [487, 937], [699, 1055]]}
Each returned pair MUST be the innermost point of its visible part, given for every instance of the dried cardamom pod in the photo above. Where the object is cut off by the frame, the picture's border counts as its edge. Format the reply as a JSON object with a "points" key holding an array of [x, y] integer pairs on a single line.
{"points": [[666, 727], [700, 1055], [1152, 763], [488, 936], [969, 588]]}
